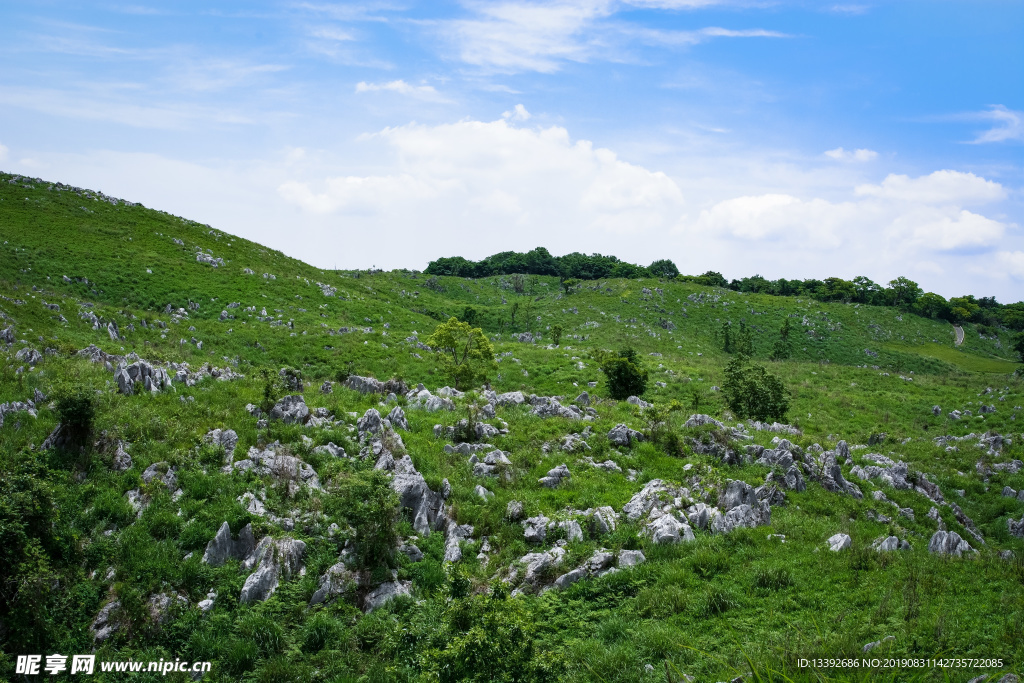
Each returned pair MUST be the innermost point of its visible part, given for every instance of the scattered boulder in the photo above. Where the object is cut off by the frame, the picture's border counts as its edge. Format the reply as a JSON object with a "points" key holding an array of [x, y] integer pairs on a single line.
{"points": [[281, 466], [1016, 528], [535, 529], [222, 547], [511, 398], [290, 410], [631, 558], [271, 560], [226, 439], [583, 399], [426, 506], [514, 511], [384, 593], [839, 542], [638, 402], [555, 477], [948, 543], [28, 355], [668, 529], [621, 435], [337, 580], [397, 418], [105, 624]]}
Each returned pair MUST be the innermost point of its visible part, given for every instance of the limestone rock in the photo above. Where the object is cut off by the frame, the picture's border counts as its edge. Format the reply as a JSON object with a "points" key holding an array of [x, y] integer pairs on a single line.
{"points": [[621, 435], [290, 410], [839, 542], [948, 543], [385, 592]]}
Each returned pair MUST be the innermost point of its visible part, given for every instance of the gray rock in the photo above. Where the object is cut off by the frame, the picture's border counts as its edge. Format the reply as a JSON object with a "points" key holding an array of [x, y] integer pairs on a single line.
{"points": [[384, 593], [222, 547], [737, 493], [514, 511], [397, 418], [631, 558], [1016, 528], [511, 398], [871, 646], [327, 387], [537, 564], [337, 580], [743, 515], [839, 542], [667, 529], [583, 399], [160, 605], [573, 532], [621, 435], [425, 505], [936, 410], [638, 402], [646, 499], [454, 535], [555, 477], [161, 472], [364, 385], [370, 422], [290, 410], [436, 403], [271, 561], [948, 543], [105, 624], [411, 551], [28, 355], [888, 544], [535, 529], [700, 420], [225, 438], [483, 493]]}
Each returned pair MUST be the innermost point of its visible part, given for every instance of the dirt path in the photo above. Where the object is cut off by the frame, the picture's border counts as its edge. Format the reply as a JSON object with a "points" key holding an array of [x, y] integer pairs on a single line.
{"points": [[959, 334]]}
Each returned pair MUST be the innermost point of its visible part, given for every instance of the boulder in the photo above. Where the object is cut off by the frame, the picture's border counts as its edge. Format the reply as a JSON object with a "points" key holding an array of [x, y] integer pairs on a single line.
{"points": [[948, 543], [555, 477], [397, 418], [436, 403], [290, 410], [638, 402], [226, 439], [743, 515], [511, 398], [222, 547], [483, 493], [699, 420], [28, 355], [162, 473], [337, 580], [384, 593], [737, 493], [887, 544], [105, 624], [583, 399], [631, 558], [424, 504], [370, 422], [537, 564], [271, 560], [646, 499], [280, 466], [514, 511], [364, 385], [839, 542], [454, 535], [621, 435], [667, 529], [535, 529], [1016, 528]]}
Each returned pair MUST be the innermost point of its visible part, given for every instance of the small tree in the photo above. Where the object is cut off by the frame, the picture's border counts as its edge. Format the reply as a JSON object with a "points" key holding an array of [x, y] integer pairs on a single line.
{"points": [[744, 343], [464, 352], [569, 285], [371, 507], [726, 338], [783, 347], [469, 315], [1018, 346], [753, 392], [556, 334], [76, 410], [626, 375]]}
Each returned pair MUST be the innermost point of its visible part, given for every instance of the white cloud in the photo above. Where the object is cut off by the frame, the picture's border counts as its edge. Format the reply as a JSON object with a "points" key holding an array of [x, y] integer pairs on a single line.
{"points": [[423, 92], [941, 187], [862, 155], [504, 183], [1012, 262], [526, 36], [518, 113], [1009, 125]]}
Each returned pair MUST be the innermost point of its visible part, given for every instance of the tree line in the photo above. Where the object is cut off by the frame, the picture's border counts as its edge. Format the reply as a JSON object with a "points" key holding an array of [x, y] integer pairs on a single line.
{"points": [[902, 293]]}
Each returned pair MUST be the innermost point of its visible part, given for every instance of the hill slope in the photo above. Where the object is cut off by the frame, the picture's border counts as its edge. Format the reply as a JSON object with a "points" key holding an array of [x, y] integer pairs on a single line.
{"points": [[123, 540]]}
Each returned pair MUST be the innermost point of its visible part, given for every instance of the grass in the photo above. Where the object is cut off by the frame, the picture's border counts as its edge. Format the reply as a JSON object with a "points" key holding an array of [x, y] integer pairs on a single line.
{"points": [[711, 608]]}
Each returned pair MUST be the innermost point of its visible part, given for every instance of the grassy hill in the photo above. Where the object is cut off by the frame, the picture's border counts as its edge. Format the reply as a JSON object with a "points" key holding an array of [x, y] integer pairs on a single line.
{"points": [[80, 269]]}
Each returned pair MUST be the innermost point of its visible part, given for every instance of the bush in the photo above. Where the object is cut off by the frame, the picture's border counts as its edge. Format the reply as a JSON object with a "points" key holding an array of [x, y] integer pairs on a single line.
{"points": [[626, 376], [76, 410], [556, 334], [753, 392], [371, 507], [463, 351]]}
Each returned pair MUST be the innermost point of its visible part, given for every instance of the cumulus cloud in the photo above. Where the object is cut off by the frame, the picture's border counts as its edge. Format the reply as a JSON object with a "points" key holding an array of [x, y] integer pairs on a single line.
{"points": [[526, 186], [940, 187], [840, 154], [518, 113]]}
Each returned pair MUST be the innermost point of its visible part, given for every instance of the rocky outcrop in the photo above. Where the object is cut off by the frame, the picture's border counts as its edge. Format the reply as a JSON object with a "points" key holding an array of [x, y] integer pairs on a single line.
{"points": [[384, 593], [555, 477], [545, 407], [271, 561], [141, 373], [949, 543], [425, 506], [397, 418], [621, 435], [839, 542], [290, 410], [105, 624], [282, 466], [223, 438], [336, 581], [223, 547]]}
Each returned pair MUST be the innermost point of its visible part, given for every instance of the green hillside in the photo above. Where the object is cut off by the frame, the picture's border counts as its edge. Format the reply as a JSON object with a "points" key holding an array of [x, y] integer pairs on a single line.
{"points": [[87, 280]]}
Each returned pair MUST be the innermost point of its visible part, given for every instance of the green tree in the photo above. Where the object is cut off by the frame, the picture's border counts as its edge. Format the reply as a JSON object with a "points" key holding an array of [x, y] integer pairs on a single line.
{"points": [[469, 315], [783, 347], [903, 292], [556, 334], [370, 505], [726, 338], [569, 285], [663, 268], [744, 340], [753, 392], [866, 290], [1018, 346], [626, 374], [931, 305], [464, 352]]}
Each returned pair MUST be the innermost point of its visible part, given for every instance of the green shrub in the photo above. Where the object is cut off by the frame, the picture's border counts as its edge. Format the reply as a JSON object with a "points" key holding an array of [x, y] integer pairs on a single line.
{"points": [[371, 507], [626, 375], [753, 392], [773, 578]]}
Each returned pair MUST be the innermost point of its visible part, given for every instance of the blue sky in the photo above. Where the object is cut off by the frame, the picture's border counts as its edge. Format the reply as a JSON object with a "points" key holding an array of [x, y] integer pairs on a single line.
{"points": [[789, 139]]}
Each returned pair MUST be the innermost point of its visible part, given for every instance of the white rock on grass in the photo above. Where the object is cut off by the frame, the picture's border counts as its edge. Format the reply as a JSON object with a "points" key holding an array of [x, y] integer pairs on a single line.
{"points": [[839, 542]]}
